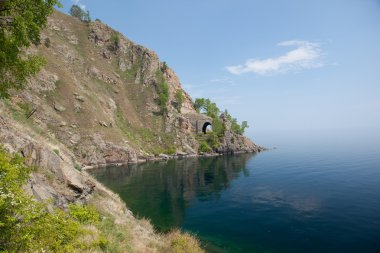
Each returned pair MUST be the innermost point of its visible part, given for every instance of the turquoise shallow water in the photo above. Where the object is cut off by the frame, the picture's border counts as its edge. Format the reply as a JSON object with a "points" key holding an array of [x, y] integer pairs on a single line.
{"points": [[317, 199]]}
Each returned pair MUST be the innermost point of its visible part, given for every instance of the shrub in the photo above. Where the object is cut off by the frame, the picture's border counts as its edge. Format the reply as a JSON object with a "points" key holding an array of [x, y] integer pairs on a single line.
{"points": [[26, 225], [164, 67], [47, 42], [163, 96], [115, 41], [213, 140], [179, 99], [78, 167], [84, 214], [204, 147]]}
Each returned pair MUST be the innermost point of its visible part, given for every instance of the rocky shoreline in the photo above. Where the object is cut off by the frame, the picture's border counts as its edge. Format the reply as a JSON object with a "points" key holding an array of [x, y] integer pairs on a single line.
{"points": [[164, 157]]}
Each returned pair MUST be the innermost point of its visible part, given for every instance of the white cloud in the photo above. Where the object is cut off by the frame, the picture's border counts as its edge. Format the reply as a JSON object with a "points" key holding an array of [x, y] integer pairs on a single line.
{"points": [[306, 56], [79, 3]]}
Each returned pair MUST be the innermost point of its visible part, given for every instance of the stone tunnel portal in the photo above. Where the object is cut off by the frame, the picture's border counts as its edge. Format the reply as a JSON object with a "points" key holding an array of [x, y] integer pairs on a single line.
{"points": [[205, 125]]}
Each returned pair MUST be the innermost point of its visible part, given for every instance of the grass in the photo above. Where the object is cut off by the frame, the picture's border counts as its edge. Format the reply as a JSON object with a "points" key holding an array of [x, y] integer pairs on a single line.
{"points": [[155, 142], [181, 242], [130, 74], [20, 115], [117, 238]]}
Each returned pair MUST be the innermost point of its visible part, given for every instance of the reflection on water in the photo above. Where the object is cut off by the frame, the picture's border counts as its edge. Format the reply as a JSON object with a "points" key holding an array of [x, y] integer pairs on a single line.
{"points": [[278, 201], [161, 191]]}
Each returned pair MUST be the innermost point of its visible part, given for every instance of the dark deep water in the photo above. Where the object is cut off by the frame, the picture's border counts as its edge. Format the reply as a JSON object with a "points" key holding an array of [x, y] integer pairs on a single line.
{"points": [[293, 199]]}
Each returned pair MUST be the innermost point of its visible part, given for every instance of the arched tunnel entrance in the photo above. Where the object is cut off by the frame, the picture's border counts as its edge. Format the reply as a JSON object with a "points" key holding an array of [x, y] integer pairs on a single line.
{"points": [[205, 125]]}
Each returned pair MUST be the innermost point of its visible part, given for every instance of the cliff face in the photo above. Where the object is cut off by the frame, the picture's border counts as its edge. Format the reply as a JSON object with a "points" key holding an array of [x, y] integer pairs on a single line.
{"points": [[96, 102], [98, 96]]}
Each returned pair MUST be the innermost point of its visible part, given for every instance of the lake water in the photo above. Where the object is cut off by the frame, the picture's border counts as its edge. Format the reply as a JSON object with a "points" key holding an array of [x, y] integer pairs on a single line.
{"points": [[314, 197]]}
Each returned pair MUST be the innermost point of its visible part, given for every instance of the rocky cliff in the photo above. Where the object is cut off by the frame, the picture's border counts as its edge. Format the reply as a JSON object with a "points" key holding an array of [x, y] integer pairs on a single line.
{"points": [[97, 101], [98, 96]]}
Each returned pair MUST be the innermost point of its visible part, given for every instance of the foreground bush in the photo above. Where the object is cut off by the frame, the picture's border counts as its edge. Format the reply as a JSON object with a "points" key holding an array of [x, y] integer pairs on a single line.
{"points": [[25, 224]]}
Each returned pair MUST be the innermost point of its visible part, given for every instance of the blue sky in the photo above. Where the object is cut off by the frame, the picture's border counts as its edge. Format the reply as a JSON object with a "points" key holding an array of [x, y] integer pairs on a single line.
{"points": [[281, 65]]}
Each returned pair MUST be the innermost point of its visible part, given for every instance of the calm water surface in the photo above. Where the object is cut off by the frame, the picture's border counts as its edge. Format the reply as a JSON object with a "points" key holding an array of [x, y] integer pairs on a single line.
{"points": [[300, 199]]}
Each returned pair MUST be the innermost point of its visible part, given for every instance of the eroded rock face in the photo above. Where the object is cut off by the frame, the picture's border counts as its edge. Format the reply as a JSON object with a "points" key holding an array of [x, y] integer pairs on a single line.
{"points": [[93, 150], [66, 184]]}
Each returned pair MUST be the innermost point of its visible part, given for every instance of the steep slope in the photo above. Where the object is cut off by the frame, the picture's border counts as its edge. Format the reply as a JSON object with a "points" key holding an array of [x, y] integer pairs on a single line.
{"points": [[99, 95], [99, 99]]}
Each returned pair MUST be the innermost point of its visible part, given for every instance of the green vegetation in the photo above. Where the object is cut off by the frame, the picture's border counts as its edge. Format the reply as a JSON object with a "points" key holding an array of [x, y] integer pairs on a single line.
{"points": [[163, 96], [115, 41], [131, 73], [164, 67], [78, 167], [210, 109], [179, 97], [84, 214], [26, 20], [79, 13], [236, 128], [204, 147], [155, 142], [167, 151], [205, 106], [47, 42], [26, 225], [163, 92]]}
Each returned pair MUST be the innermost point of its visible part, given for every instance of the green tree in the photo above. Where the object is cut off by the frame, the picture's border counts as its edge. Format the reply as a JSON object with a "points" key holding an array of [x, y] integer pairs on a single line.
{"points": [[163, 96], [244, 125], [203, 105], [179, 97], [199, 104], [79, 13], [26, 20], [76, 12]]}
